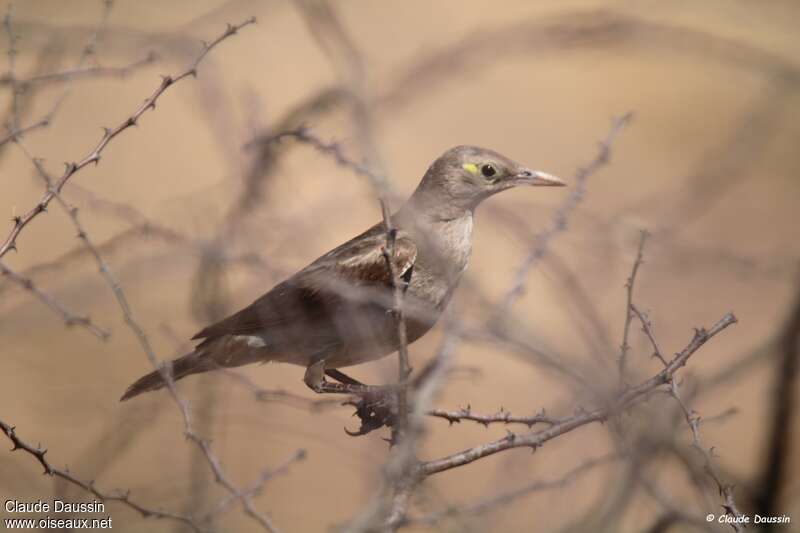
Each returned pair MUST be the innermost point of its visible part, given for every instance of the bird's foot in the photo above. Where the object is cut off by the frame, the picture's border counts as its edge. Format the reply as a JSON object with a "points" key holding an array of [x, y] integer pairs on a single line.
{"points": [[376, 405], [315, 380], [341, 377], [329, 387], [376, 408]]}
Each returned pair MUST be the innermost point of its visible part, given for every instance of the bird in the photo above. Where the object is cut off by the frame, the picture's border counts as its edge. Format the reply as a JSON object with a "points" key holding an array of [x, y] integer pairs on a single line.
{"points": [[339, 310]]}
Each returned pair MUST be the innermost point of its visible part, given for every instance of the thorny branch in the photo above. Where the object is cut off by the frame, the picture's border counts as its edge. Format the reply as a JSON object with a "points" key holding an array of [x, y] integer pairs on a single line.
{"points": [[19, 86], [72, 213], [118, 496], [648, 331], [94, 155], [621, 402], [26, 283], [202, 444], [624, 400], [53, 192], [693, 421], [501, 417], [629, 284]]}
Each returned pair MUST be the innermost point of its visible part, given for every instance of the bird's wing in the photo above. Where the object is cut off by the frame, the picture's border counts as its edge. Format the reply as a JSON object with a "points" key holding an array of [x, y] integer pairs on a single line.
{"points": [[351, 271]]}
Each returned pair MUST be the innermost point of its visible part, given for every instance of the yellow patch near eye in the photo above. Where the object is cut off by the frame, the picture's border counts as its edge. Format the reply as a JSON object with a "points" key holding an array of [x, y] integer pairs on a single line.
{"points": [[472, 168]]}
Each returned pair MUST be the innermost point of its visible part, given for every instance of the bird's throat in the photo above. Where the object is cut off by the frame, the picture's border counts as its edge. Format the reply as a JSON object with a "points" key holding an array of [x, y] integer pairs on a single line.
{"points": [[445, 245]]}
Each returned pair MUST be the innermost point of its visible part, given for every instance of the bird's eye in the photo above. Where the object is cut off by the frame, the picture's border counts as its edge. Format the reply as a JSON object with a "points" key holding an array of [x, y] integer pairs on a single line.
{"points": [[488, 171]]}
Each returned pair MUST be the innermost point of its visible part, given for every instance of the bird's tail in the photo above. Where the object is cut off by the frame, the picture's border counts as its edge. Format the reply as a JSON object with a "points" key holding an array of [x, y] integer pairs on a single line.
{"points": [[181, 367]]}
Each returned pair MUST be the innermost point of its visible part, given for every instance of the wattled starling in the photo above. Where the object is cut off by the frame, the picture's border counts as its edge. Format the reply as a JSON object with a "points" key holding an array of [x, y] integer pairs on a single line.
{"points": [[339, 310]]}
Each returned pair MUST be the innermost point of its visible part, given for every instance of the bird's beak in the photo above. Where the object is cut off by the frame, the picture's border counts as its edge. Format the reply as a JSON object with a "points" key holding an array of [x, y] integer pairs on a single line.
{"points": [[535, 177]]}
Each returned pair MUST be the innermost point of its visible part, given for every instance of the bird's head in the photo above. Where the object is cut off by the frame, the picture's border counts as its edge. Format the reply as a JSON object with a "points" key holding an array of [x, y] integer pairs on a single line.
{"points": [[466, 175]]}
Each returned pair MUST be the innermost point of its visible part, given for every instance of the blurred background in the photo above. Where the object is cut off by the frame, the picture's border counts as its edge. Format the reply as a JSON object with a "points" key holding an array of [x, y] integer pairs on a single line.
{"points": [[194, 225]]}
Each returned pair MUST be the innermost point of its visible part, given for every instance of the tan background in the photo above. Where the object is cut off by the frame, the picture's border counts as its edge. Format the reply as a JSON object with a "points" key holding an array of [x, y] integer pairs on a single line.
{"points": [[709, 166]]}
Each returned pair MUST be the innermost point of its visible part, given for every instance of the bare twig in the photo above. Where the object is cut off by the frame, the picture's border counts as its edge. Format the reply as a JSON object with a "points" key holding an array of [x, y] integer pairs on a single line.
{"points": [[219, 475], [94, 155], [257, 487], [267, 156], [629, 284], [626, 399], [506, 498], [332, 149], [668, 503], [53, 192], [79, 73], [12, 64], [27, 283], [69, 317], [83, 235], [501, 417], [693, 420], [16, 130], [114, 243], [648, 331], [43, 122], [89, 486], [561, 217]]}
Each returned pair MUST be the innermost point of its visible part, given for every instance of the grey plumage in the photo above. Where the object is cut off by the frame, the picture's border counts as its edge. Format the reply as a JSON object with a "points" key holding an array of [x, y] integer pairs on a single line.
{"points": [[336, 311]]}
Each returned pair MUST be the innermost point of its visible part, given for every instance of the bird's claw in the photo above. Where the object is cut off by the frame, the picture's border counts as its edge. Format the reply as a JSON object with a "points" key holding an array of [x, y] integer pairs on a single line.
{"points": [[376, 409]]}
